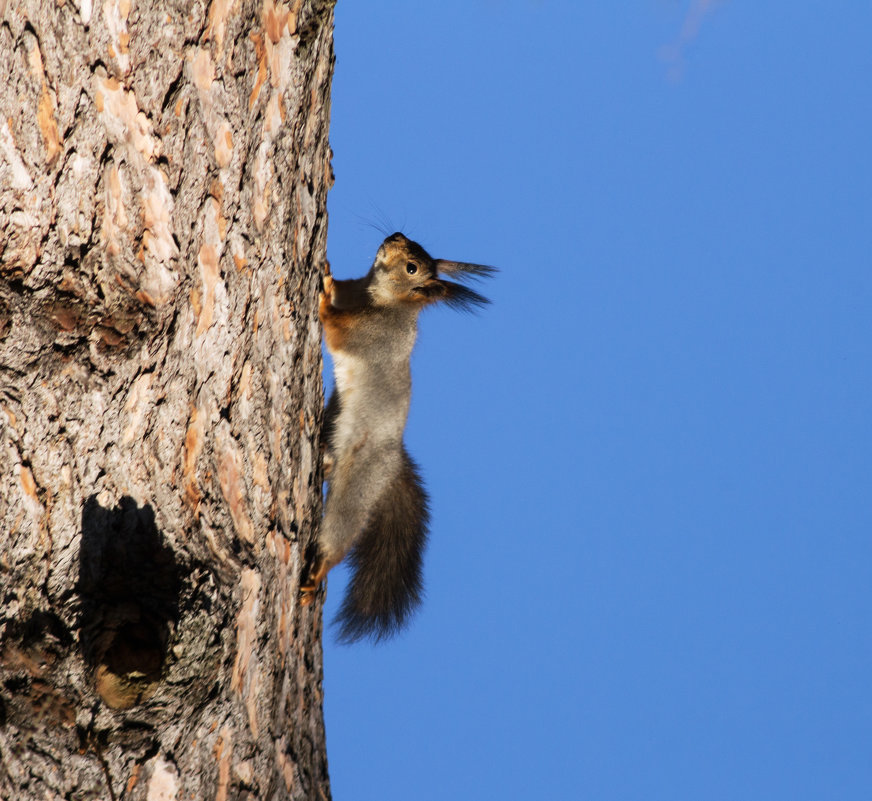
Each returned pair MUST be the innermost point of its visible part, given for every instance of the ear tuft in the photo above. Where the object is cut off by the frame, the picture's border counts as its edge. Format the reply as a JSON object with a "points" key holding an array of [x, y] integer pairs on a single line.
{"points": [[464, 270], [463, 298]]}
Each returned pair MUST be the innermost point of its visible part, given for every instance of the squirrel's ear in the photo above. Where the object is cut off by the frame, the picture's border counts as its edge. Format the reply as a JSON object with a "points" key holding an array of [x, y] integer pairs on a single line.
{"points": [[461, 297], [463, 269]]}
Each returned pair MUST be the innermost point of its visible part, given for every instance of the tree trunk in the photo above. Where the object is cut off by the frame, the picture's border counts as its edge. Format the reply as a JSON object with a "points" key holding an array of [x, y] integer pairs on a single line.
{"points": [[163, 177]]}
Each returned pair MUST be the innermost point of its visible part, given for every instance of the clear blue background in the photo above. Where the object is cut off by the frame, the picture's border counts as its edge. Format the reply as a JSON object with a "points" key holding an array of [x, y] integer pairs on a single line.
{"points": [[649, 460]]}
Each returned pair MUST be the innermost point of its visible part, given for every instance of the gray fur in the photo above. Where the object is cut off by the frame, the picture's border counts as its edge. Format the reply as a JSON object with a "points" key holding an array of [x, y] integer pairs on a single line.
{"points": [[377, 508]]}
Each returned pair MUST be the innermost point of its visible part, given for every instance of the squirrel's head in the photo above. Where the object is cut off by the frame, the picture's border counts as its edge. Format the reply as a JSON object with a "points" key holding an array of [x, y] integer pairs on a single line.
{"points": [[403, 272]]}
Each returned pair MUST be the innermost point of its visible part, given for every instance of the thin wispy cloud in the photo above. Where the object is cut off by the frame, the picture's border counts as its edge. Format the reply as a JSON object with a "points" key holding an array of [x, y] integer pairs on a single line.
{"points": [[673, 53]]}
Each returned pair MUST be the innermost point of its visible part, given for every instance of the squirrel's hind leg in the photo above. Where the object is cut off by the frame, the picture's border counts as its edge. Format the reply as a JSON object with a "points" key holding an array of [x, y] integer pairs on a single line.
{"points": [[359, 479], [386, 561]]}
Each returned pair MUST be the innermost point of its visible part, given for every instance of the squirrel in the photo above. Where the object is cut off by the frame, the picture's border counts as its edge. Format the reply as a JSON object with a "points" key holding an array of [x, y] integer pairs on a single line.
{"points": [[377, 508]]}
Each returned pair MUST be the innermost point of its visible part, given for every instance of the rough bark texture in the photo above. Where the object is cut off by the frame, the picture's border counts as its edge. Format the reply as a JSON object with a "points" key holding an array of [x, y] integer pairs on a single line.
{"points": [[163, 177]]}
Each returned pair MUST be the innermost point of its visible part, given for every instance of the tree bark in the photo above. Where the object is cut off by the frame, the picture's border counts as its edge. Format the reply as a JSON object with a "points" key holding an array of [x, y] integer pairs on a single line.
{"points": [[163, 176]]}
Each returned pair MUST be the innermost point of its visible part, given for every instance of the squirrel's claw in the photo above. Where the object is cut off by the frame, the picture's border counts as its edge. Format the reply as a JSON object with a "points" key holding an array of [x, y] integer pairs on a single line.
{"points": [[307, 595]]}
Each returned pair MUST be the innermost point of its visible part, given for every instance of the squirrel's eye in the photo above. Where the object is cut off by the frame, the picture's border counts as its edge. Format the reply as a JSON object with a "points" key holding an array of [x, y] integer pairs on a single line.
{"points": [[411, 268]]}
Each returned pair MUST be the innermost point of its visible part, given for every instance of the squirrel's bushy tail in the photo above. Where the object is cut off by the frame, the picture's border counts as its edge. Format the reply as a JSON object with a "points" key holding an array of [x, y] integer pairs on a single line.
{"points": [[385, 563]]}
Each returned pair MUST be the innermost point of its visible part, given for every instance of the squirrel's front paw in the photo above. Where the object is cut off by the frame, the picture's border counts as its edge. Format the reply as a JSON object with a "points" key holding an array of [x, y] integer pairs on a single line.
{"points": [[325, 299]]}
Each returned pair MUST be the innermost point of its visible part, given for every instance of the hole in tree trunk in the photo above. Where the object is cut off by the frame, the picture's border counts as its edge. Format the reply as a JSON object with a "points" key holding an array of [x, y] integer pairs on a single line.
{"points": [[129, 586]]}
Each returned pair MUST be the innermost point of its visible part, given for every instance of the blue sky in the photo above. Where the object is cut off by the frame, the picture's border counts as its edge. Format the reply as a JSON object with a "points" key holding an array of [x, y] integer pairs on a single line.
{"points": [[650, 460]]}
